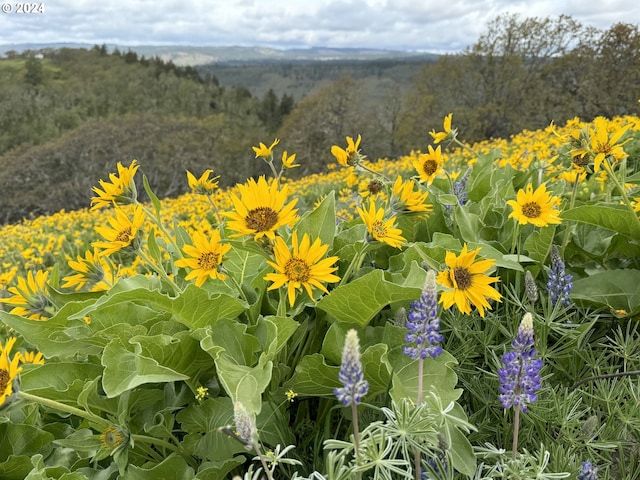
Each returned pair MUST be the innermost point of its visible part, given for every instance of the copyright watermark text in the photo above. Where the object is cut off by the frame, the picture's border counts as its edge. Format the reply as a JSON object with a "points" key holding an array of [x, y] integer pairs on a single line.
{"points": [[22, 8]]}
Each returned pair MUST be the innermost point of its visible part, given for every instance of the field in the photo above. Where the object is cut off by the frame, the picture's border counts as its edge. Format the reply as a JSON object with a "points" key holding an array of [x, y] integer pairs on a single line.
{"points": [[464, 311]]}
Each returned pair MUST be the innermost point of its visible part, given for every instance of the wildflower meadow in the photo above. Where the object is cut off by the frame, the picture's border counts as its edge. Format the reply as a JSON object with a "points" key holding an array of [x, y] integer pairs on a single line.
{"points": [[461, 312]]}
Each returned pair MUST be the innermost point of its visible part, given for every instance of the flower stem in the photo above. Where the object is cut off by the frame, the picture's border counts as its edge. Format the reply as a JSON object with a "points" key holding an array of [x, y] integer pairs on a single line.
{"points": [[516, 430], [355, 264], [572, 202], [623, 193], [416, 454], [267, 472], [356, 433], [66, 408], [159, 269]]}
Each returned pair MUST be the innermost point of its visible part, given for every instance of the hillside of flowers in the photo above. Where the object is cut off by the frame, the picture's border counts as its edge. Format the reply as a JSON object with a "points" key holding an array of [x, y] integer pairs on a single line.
{"points": [[464, 311]]}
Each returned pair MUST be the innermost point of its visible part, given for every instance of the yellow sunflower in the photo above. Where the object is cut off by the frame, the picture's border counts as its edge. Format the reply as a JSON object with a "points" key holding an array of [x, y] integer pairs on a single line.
{"points": [[605, 145], [93, 270], [204, 257], [123, 233], [535, 207], [264, 151], [429, 165], [448, 133], [9, 370], [288, 161], [261, 209], [467, 283], [406, 200], [30, 297], [203, 185], [380, 229], [301, 266], [351, 155], [121, 190], [31, 357]]}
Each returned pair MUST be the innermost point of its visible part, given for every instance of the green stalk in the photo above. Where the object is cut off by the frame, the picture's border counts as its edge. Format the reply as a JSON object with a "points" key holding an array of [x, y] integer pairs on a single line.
{"points": [[159, 269], [620, 187], [572, 203], [66, 408], [416, 454]]}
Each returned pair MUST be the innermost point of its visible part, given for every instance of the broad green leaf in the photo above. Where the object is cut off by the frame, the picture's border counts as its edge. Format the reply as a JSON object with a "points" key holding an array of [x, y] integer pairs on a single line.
{"points": [[617, 219], [125, 369], [461, 451], [19, 439], [194, 307], [448, 199], [360, 300], [56, 337], [313, 377], [219, 469], [438, 375], [245, 384], [538, 244], [174, 467], [320, 222], [15, 467], [201, 422], [615, 289], [239, 347], [273, 333]]}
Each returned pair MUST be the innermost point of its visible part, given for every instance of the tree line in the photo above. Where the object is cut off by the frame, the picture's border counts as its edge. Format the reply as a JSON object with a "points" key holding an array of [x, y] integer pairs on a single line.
{"points": [[88, 109]]}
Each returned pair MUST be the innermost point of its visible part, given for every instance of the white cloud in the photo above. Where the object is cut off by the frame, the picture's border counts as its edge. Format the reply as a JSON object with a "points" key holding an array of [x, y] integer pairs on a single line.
{"points": [[431, 25]]}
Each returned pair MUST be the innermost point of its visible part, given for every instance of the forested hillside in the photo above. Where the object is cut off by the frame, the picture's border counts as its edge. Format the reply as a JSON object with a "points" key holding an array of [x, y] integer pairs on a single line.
{"points": [[67, 116]]}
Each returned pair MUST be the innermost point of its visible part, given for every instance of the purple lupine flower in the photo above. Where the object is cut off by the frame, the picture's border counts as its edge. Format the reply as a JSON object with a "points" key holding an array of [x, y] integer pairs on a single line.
{"points": [[559, 284], [351, 375], [460, 187], [423, 325], [520, 375], [588, 471]]}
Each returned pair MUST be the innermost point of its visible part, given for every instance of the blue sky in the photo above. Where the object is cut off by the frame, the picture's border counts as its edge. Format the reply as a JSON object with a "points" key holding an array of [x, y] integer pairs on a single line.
{"points": [[438, 26]]}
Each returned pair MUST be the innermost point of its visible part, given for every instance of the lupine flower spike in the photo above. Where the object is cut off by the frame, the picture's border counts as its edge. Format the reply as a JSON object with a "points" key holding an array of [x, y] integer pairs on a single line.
{"points": [[559, 284], [351, 374], [520, 375], [588, 471], [355, 386], [423, 324]]}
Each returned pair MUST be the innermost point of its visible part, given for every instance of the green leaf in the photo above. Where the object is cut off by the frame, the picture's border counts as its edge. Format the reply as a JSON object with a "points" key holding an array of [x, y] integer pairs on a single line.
{"points": [[16, 467], [538, 244], [174, 467], [20, 439], [194, 307], [448, 199], [438, 375], [152, 196], [239, 347], [461, 451], [125, 370], [313, 377], [615, 289], [273, 333], [201, 422], [320, 222], [245, 384], [360, 300], [619, 220]]}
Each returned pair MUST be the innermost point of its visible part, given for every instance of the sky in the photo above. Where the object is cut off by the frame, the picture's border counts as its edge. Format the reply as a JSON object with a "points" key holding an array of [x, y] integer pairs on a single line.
{"points": [[438, 26]]}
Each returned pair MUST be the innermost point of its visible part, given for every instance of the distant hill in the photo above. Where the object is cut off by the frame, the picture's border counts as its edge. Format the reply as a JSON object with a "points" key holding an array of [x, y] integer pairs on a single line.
{"points": [[186, 55]]}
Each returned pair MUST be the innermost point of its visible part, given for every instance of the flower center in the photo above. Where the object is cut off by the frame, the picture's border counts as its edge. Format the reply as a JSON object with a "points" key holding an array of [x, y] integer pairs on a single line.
{"points": [[297, 270], [430, 166], [604, 148], [124, 235], [208, 261], [111, 438], [462, 277], [4, 380], [531, 210], [375, 186], [261, 219], [378, 229]]}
